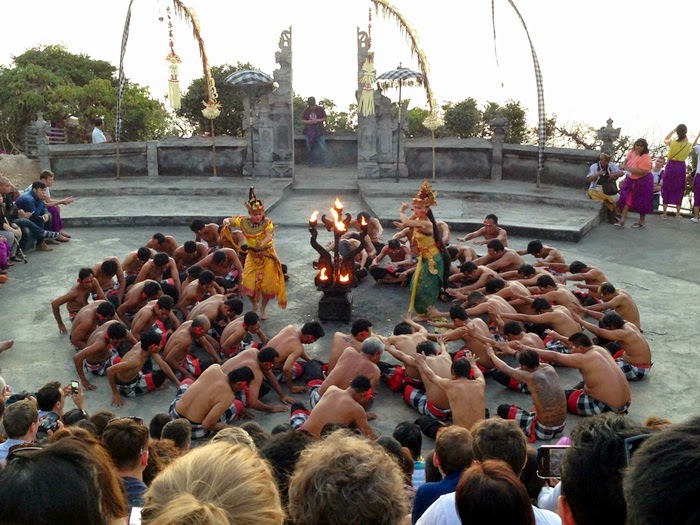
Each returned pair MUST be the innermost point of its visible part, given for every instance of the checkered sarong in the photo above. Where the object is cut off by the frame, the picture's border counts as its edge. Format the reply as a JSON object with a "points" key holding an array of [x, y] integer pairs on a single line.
{"points": [[100, 369], [509, 382], [632, 372], [314, 395], [143, 384], [198, 431], [580, 403], [418, 399], [298, 416], [529, 423], [556, 346]]}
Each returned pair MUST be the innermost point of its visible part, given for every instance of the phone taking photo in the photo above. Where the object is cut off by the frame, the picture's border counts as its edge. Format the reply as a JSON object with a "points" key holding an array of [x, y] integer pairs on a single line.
{"points": [[74, 387], [549, 459]]}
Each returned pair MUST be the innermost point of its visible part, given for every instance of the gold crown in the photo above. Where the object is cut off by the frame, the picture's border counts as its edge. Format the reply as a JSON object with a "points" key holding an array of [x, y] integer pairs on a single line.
{"points": [[426, 196], [253, 203]]}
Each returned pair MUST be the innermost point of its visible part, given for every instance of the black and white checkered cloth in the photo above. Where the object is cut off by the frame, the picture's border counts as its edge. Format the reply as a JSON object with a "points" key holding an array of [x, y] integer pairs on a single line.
{"points": [[122, 78], [541, 130], [401, 73], [248, 77]]}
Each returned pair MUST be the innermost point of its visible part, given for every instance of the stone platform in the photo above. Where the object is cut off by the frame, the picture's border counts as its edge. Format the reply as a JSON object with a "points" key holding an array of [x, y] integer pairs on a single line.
{"points": [[548, 212]]}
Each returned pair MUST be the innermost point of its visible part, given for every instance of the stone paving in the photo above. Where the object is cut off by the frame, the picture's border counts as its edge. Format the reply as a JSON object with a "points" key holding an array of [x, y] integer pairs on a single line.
{"points": [[657, 265]]}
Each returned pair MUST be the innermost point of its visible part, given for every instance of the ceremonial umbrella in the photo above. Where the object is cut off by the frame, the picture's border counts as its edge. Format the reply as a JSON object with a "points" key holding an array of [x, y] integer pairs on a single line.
{"points": [[400, 76], [250, 78]]}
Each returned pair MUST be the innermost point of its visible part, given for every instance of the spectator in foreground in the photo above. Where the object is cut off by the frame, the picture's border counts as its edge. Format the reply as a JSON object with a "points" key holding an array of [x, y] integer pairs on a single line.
{"points": [[498, 439], [666, 466], [592, 471], [490, 492], [180, 432], [21, 422], [216, 483], [126, 440], [56, 485], [454, 453], [361, 484]]}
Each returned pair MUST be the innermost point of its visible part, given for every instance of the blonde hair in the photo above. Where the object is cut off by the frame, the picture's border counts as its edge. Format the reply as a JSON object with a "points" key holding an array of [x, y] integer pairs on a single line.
{"points": [[346, 479], [234, 436], [219, 483], [604, 156]]}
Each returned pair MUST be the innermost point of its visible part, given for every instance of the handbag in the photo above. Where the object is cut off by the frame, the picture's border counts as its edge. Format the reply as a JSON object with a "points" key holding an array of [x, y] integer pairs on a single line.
{"points": [[609, 185]]}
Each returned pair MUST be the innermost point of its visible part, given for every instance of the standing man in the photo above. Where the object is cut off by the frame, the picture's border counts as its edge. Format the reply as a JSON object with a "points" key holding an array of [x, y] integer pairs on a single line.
{"points": [[98, 135], [313, 118]]}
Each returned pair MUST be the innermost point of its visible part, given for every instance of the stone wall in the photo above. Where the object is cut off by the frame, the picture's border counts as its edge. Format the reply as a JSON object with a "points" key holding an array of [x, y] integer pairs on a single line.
{"points": [[455, 158]]}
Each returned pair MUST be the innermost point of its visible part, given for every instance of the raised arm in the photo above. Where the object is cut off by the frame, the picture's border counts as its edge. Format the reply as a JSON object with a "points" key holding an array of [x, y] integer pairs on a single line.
{"points": [[428, 373], [518, 375]]}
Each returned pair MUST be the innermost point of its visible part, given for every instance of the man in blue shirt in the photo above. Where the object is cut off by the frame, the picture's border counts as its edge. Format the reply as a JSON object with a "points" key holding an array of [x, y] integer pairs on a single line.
{"points": [[31, 205], [21, 423], [454, 453]]}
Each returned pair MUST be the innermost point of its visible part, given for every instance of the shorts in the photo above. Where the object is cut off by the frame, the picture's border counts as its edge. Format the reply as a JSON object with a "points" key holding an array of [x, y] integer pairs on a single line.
{"points": [[142, 384], [418, 399], [529, 423], [298, 416], [192, 365], [632, 372], [297, 371], [100, 369], [397, 379], [314, 395], [509, 382], [580, 403]]}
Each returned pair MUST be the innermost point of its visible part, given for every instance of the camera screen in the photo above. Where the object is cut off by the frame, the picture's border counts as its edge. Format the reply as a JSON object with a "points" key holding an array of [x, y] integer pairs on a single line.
{"points": [[549, 460]]}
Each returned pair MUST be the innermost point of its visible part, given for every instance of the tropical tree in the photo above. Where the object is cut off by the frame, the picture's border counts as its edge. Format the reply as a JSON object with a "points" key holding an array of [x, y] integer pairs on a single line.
{"points": [[518, 131], [230, 121], [51, 80], [462, 119], [415, 117]]}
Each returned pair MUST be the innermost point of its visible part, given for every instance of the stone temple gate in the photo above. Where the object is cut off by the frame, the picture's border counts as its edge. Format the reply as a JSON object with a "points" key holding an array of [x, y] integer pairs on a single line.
{"points": [[272, 126]]}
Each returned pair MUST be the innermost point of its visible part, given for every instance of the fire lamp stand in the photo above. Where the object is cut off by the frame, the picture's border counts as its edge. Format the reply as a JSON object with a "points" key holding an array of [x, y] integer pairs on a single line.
{"points": [[336, 275]]}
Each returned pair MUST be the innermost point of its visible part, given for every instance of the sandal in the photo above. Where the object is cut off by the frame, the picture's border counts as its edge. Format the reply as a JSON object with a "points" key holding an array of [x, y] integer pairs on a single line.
{"points": [[619, 224], [637, 225]]}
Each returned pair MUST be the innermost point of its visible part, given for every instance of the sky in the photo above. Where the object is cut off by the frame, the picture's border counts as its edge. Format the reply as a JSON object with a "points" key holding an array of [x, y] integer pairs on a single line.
{"points": [[622, 59]]}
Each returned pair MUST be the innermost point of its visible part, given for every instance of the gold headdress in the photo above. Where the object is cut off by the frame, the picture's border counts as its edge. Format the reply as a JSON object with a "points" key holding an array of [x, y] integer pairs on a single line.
{"points": [[254, 204], [426, 196]]}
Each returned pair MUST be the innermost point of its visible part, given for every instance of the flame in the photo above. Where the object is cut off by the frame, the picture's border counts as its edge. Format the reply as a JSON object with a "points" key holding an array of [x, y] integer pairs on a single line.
{"points": [[338, 205], [363, 222], [324, 275], [314, 216], [345, 278], [339, 225]]}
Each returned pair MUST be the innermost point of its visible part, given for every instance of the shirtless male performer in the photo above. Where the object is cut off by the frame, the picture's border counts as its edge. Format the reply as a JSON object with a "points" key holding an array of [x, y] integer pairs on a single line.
{"points": [[104, 273], [163, 243], [260, 362], [605, 387], [289, 343], [336, 406], [133, 263], [589, 277], [225, 264], [489, 231], [406, 337], [100, 352], [220, 310], [198, 290], [544, 254], [210, 403], [188, 254], [516, 293], [136, 298], [549, 417], [208, 233], [467, 330], [77, 297], [400, 259], [162, 269], [235, 333], [159, 313], [432, 400], [126, 378], [350, 365], [500, 258], [177, 350], [464, 396], [88, 319], [634, 358], [618, 300], [556, 293], [360, 330], [559, 318], [478, 276]]}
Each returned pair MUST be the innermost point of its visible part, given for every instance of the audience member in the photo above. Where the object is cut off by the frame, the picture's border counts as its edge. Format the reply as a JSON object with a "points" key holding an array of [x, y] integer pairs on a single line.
{"points": [[360, 484], [217, 483], [282, 451], [180, 432], [21, 422], [662, 483]]}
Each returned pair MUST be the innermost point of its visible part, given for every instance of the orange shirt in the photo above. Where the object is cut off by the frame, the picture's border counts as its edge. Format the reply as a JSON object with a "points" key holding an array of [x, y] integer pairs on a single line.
{"points": [[642, 162]]}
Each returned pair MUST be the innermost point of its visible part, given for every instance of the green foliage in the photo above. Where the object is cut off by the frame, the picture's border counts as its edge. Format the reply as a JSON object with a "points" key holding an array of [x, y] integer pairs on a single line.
{"points": [[517, 125], [335, 120], [463, 119], [230, 122], [415, 117], [58, 83]]}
